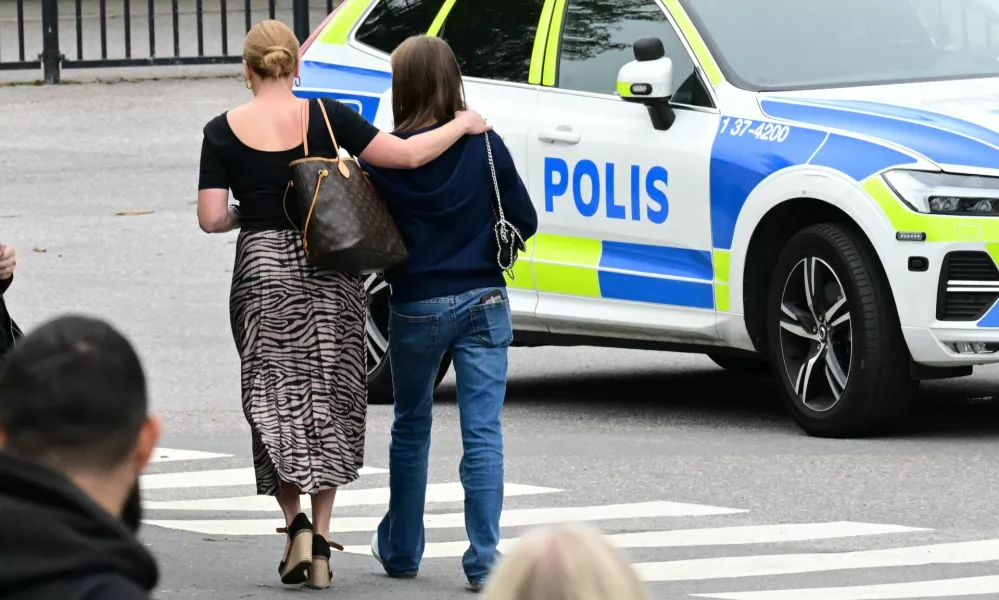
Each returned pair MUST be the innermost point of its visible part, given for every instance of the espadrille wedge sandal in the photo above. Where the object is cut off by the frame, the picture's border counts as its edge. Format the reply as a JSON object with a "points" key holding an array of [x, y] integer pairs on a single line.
{"points": [[295, 568], [321, 574]]}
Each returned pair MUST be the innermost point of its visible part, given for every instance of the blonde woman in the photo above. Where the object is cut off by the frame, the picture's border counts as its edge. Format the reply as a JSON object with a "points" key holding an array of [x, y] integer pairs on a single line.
{"points": [[564, 563], [299, 330]]}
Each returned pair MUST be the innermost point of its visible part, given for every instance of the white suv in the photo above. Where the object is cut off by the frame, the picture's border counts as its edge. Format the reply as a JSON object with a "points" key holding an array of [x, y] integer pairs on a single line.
{"points": [[807, 188]]}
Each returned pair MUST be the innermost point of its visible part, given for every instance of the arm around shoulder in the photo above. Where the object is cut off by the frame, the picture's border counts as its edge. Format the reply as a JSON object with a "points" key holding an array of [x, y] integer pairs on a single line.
{"points": [[391, 152]]}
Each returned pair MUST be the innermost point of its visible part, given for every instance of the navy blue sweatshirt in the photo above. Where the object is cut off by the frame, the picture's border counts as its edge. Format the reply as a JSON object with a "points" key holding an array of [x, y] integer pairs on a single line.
{"points": [[444, 212]]}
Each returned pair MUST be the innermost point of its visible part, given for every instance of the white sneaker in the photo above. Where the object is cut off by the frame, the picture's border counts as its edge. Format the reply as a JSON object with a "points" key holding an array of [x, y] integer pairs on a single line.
{"points": [[374, 548], [378, 557]]}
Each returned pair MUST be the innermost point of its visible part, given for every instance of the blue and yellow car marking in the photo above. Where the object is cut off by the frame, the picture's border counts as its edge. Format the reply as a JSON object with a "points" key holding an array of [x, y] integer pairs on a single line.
{"points": [[621, 271], [934, 141]]}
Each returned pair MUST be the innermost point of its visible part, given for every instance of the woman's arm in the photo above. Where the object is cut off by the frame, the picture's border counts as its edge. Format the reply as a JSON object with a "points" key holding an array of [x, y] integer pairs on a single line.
{"points": [[214, 213], [389, 151], [365, 141]]}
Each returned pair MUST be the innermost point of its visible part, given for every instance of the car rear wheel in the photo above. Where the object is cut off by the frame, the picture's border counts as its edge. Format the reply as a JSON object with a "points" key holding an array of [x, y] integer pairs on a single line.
{"points": [[742, 365], [376, 340], [834, 336]]}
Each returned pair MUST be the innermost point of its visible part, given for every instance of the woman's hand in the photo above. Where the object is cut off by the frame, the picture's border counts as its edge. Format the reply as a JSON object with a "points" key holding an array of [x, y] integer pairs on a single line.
{"points": [[8, 260], [473, 122]]}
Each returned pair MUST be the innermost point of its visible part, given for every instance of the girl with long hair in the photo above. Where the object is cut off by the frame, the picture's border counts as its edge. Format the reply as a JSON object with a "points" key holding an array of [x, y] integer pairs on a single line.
{"points": [[450, 296]]}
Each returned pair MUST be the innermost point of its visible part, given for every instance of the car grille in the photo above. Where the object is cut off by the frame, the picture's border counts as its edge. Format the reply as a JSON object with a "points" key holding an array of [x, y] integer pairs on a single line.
{"points": [[969, 286]]}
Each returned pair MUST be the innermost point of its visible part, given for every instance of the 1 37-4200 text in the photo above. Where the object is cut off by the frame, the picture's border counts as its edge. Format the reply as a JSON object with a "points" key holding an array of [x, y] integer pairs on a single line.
{"points": [[765, 132]]}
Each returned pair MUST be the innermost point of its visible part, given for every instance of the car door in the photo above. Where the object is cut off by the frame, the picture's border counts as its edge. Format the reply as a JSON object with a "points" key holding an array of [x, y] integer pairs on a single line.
{"points": [[624, 244], [497, 48]]}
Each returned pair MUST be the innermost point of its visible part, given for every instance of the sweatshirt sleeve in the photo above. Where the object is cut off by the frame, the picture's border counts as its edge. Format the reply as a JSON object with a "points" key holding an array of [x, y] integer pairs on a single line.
{"points": [[516, 201]]}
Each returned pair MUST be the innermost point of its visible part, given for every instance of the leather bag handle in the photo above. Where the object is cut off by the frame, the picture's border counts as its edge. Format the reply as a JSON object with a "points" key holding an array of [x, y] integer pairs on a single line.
{"points": [[305, 126], [329, 128]]}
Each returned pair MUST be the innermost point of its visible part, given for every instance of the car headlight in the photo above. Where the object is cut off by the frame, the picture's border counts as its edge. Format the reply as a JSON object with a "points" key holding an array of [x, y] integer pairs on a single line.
{"points": [[946, 193]]}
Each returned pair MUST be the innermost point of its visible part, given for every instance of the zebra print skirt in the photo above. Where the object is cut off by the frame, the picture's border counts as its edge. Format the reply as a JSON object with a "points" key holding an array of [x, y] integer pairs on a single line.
{"points": [[300, 336]]}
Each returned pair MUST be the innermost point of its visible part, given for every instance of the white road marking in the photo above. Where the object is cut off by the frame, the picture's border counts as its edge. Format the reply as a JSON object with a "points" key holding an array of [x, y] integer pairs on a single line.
{"points": [[509, 518], [171, 454], [436, 492], [787, 564], [942, 588], [218, 478], [719, 536]]}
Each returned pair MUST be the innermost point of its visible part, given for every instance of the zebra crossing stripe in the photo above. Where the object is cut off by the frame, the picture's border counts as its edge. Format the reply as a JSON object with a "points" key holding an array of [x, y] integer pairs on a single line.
{"points": [[171, 455], [217, 478], [436, 492], [718, 536], [509, 518], [941, 588], [788, 564]]}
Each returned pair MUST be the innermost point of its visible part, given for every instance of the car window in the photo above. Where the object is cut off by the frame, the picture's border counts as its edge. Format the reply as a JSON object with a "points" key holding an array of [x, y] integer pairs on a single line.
{"points": [[597, 40], [493, 39], [820, 43], [392, 21]]}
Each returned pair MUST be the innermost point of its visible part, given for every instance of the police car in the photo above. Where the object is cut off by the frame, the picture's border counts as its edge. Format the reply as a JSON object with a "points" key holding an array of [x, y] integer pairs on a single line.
{"points": [[803, 188]]}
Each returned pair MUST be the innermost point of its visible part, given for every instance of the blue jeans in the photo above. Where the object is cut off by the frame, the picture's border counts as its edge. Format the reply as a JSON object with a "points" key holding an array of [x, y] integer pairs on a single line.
{"points": [[477, 335]]}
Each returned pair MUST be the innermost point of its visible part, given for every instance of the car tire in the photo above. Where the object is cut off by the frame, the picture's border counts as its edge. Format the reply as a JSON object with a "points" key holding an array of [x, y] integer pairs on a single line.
{"points": [[834, 336], [742, 365], [376, 338]]}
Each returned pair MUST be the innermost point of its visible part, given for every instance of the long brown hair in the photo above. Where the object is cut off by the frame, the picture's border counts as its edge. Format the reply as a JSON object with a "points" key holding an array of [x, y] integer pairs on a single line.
{"points": [[426, 83]]}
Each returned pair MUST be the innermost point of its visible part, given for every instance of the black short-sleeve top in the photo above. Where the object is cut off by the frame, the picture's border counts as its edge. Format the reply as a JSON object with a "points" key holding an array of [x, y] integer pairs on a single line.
{"points": [[258, 179]]}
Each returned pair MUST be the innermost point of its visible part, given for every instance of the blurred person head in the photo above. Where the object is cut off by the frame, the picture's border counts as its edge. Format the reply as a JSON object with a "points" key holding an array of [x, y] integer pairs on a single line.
{"points": [[564, 563], [270, 54], [426, 83], [73, 398]]}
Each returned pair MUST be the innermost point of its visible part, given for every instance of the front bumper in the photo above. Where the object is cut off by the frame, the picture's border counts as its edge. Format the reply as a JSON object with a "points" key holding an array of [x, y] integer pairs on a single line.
{"points": [[952, 347], [950, 315]]}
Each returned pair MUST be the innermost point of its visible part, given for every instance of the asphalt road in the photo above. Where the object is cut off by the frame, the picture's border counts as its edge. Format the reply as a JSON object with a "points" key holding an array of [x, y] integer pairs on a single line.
{"points": [[684, 446]]}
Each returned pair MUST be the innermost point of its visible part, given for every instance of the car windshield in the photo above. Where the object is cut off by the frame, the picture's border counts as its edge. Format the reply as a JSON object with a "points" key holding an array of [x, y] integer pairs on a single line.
{"points": [[799, 44]]}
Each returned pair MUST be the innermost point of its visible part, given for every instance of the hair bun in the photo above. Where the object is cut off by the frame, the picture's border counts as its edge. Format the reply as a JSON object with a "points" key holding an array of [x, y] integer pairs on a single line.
{"points": [[271, 50], [277, 61]]}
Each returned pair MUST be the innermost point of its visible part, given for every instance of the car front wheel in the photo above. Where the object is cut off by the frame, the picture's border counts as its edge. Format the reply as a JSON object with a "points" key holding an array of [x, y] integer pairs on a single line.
{"points": [[376, 339], [834, 336]]}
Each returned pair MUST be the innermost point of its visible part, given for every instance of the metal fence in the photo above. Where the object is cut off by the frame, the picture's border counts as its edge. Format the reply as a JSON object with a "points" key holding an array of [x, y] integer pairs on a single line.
{"points": [[86, 34]]}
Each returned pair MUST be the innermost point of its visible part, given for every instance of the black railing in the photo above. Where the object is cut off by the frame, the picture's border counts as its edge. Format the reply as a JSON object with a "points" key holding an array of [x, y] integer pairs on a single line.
{"points": [[108, 32], [13, 14]]}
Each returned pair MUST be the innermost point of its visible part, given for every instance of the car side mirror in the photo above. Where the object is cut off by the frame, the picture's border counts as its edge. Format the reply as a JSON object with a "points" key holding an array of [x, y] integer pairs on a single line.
{"points": [[648, 80]]}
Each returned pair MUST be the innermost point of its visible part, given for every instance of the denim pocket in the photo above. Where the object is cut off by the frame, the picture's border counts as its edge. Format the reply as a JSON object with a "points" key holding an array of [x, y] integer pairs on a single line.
{"points": [[491, 323], [414, 335]]}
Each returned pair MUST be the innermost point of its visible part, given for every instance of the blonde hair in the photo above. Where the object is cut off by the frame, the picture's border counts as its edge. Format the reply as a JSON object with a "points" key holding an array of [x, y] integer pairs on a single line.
{"points": [[564, 563], [271, 50]]}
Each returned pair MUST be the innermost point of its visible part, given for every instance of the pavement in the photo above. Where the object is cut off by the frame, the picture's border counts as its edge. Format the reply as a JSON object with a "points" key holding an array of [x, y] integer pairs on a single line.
{"points": [[696, 473]]}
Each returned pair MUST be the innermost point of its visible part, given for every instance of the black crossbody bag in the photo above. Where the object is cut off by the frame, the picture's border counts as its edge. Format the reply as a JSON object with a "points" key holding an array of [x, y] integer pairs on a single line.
{"points": [[508, 239]]}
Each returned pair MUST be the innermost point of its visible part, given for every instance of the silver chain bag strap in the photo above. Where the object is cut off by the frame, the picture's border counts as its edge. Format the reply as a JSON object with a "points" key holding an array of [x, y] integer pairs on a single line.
{"points": [[508, 238]]}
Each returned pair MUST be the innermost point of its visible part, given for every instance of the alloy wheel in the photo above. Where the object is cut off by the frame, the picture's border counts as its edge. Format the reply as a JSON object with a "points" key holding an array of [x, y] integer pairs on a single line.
{"points": [[376, 321], [816, 334]]}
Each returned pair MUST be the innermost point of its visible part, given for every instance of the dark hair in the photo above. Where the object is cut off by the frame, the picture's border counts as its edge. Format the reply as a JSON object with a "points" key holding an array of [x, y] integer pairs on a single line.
{"points": [[426, 83], [73, 395]]}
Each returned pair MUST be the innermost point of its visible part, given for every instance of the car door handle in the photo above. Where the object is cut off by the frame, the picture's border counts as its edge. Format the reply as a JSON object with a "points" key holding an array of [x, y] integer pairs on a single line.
{"points": [[563, 135]]}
